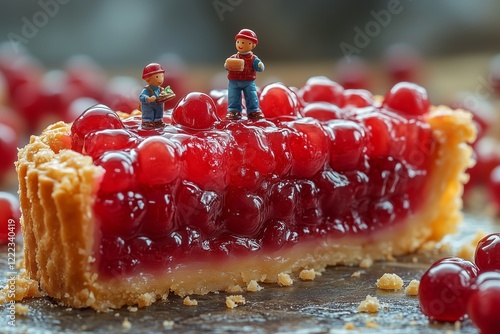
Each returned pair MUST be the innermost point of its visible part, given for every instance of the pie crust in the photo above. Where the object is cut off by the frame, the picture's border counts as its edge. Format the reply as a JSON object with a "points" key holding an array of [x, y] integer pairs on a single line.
{"points": [[57, 192]]}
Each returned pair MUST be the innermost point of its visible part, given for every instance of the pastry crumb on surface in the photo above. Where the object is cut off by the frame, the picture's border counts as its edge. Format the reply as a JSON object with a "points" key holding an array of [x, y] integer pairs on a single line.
{"points": [[284, 279], [146, 299], [356, 274], [389, 282], [412, 323], [390, 258], [457, 325], [371, 324], [369, 305], [21, 309], [117, 315], [412, 288], [132, 308], [164, 296], [126, 324], [168, 324], [468, 249], [69, 309], [253, 286], [307, 274], [234, 289], [25, 288], [366, 263], [234, 300], [190, 302], [414, 259], [349, 326]]}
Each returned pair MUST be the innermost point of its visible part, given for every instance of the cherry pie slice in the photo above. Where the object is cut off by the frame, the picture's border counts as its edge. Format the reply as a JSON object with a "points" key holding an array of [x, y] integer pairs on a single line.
{"points": [[114, 214]]}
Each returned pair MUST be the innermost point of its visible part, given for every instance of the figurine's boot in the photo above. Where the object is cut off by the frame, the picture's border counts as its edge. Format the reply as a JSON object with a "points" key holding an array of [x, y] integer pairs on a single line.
{"points": [[233, 114], [256, 115]]}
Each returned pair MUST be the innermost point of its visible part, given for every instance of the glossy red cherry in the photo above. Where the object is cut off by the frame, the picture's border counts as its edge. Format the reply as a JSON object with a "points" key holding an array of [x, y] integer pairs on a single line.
{"points": [[487, 256], [484, 303], [120, 172], [278, 100], [308, 146], [323, 111], [158, 161], [357, 98], [348, 145], [95, 118], [244, 212], [195, 111], [445, 288], [322, 89], [9, 217], [407, 98], [99, 142]]}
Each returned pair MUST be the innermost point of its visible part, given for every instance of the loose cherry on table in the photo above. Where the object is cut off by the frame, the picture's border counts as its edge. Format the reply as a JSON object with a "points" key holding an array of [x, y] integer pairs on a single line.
{"points": [[445, 288], [487, 256], [484, 302], [9, 217]]}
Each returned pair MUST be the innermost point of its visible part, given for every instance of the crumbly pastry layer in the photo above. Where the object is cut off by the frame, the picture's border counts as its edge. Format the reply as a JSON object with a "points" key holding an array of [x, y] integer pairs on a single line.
{"points": [[58, 187]]}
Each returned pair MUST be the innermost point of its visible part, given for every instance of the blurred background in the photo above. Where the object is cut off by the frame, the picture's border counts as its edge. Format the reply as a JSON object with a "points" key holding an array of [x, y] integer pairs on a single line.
{"points": [[59, 56]]}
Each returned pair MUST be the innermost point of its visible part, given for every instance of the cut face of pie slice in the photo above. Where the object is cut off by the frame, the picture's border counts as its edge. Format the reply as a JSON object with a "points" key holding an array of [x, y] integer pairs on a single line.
{"points": [[114, 214]]}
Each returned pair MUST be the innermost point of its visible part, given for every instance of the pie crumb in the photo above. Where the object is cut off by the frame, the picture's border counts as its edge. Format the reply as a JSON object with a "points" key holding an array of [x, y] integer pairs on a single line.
{"points": [[366, 263], [468, 249], [349, 326], [21, 309], [164, 297], [414, 259], [168, 324], [126, 324], [307, 274], [369, 305], [190, 302], [25, 288], [234, 300], [253, 286], [413, 323], [371, 324], [117, 315], [132, 308], [356, 274], [284, 279], [390, 282], [234, 289], [457, 325], [412, 288]]}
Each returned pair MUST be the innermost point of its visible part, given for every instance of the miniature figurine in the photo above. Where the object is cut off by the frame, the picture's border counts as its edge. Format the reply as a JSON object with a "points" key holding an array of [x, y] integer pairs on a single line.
{"points": [[242, 68], [153, 96]]}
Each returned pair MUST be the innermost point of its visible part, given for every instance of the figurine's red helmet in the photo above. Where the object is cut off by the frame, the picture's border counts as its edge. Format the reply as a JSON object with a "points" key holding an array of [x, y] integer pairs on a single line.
{"points": [[151, 69], [247, 34]]}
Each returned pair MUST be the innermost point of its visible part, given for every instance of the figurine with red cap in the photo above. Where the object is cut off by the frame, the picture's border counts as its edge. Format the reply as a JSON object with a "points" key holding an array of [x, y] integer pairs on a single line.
{"points": [[242, 68], [153, 96]]}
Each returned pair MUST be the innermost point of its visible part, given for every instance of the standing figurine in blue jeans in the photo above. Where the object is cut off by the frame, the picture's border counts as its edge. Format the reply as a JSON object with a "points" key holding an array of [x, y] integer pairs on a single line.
{"points": [[242, 68], [152, 110]]}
